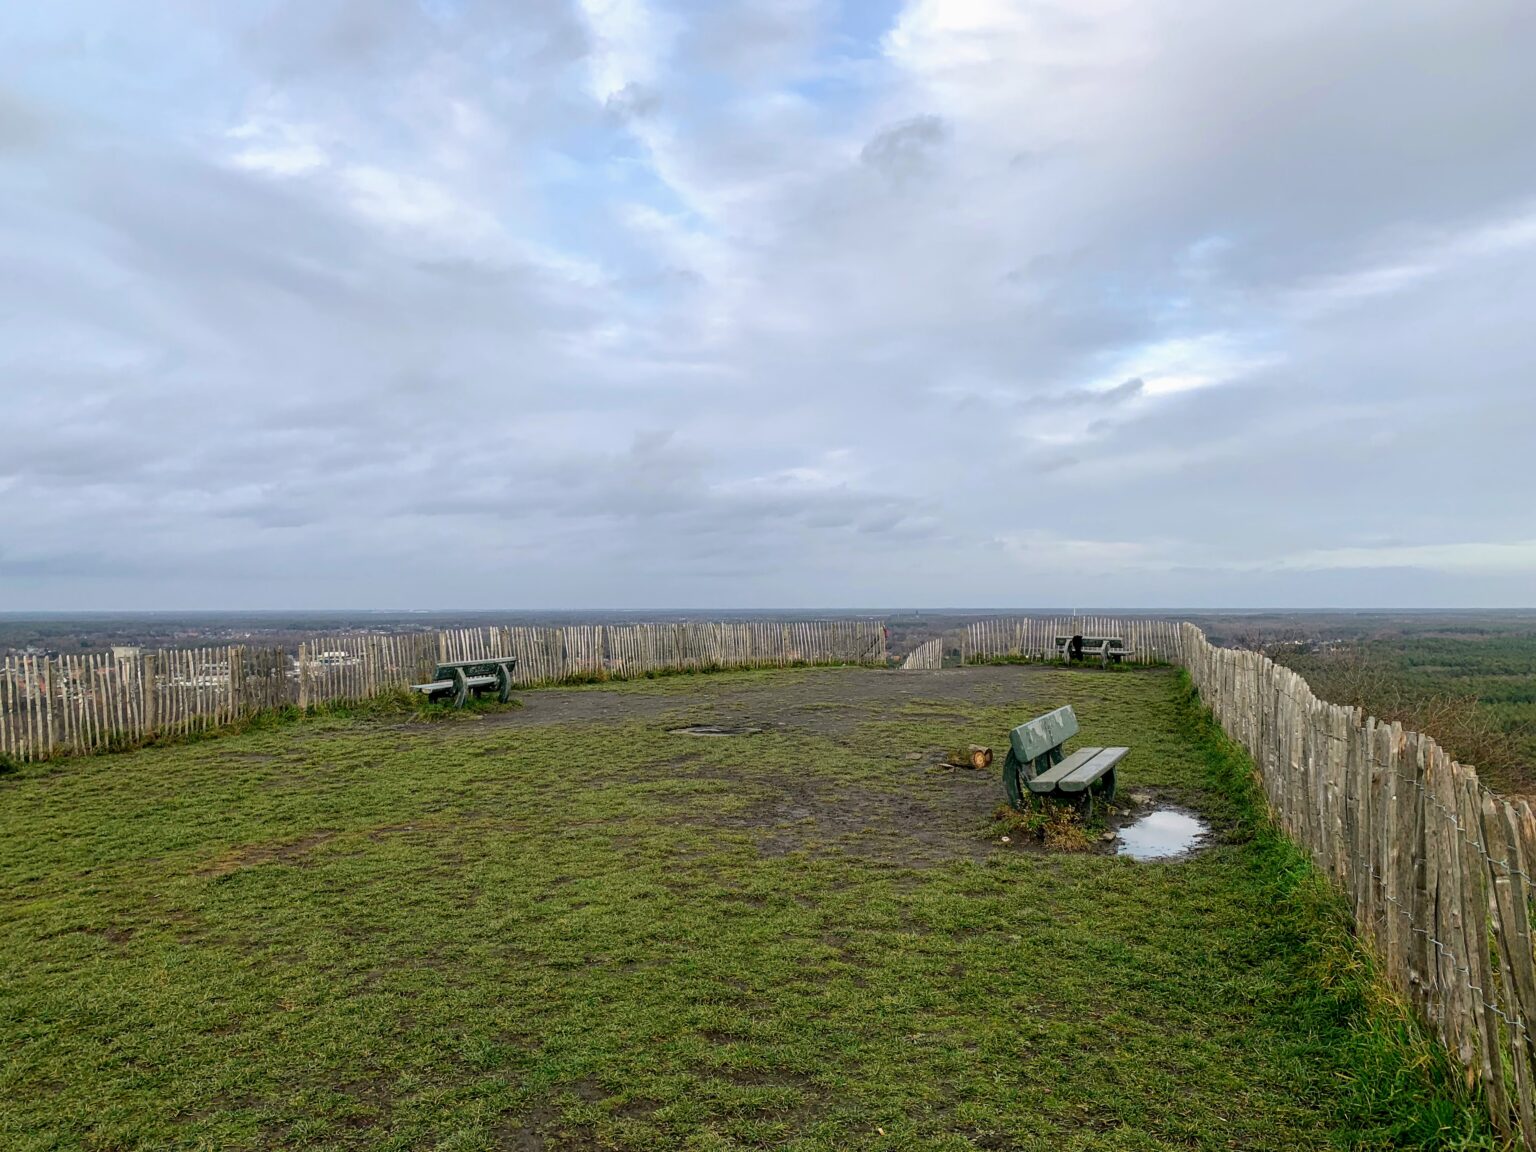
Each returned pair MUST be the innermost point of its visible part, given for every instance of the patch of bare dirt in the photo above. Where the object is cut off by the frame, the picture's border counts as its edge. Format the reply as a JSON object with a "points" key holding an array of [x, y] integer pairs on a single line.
{"points": [[586, 705], [280, 852], [540, 1128], [921, 813], [935, 822], [919, 816], [112, 933], [835, 701], [826, 700]]}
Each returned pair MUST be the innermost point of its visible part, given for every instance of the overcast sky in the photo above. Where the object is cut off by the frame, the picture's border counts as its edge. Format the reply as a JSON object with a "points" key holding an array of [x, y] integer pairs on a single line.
{"points": [[644, 303]]}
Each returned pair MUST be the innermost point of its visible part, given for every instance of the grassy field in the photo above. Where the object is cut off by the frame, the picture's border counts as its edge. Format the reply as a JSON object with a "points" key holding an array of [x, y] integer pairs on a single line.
{"points": [[566, 925]]}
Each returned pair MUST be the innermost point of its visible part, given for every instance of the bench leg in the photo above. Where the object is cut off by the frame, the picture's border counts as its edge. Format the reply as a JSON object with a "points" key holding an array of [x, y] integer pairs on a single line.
{"points": [[1013, 784], [460, 687], [1015, 774], [503, 682], [1101, 791]]}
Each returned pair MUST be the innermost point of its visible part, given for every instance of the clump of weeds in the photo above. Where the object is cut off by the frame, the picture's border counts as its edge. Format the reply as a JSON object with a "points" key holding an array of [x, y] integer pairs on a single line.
{"points": [[1058, 827]]}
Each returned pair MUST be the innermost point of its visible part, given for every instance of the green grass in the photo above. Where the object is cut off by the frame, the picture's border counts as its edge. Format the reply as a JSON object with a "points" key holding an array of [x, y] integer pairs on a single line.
{"points": [[565, 926]]}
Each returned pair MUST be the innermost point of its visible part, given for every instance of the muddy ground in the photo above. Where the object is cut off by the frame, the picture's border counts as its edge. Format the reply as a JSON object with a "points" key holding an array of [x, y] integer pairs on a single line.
{"points": [[894, 797]]}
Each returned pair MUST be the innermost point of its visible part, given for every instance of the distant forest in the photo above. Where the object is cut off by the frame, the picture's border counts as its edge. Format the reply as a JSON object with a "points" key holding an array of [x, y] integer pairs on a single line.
{"points": [[1471, 687]]}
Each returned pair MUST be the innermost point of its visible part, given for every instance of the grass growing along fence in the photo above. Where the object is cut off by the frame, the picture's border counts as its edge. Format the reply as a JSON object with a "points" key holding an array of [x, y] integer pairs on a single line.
{"points": [[1399, 1086], [1437, 871]]}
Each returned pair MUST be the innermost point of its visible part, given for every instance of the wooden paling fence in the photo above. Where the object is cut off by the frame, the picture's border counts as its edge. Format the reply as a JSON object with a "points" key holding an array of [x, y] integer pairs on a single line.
{"points": [[51, 706], [926, 657], [94, 701], [1438, 869], [548, 655], [355, 666], [1034, 638]]}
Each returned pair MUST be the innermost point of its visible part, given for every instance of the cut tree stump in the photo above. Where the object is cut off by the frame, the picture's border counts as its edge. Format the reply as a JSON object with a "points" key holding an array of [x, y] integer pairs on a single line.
{"points": [[981, 756]]}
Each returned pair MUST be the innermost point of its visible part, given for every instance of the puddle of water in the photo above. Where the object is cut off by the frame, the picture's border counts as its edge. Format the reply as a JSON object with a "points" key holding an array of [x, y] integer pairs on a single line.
{"points": [[713, 730], [1160, 834]]}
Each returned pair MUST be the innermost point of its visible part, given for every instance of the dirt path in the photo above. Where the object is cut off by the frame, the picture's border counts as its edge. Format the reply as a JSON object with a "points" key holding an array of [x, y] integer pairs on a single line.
{"points": [[893, 798], [823, 700]]}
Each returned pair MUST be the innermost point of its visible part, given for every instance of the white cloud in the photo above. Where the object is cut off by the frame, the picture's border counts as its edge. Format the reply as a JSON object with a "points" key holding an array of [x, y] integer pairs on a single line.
{"points": [[405, 201], [268, 145], [629, 42], [1420, 259], [292, 160]]}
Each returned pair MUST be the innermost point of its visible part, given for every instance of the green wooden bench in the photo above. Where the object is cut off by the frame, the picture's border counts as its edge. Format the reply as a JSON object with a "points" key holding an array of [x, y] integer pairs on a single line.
{"points": [[1036, 764], [463, 677], [1109, 649]]}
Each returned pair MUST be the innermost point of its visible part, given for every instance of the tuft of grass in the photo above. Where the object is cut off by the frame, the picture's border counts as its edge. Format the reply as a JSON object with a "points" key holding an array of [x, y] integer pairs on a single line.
{"points": [[1059, 827], [403, 704]]}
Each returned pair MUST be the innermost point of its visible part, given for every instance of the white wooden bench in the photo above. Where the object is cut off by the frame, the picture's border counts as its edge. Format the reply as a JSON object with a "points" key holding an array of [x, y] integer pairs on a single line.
{"points": [[1036, 764]]}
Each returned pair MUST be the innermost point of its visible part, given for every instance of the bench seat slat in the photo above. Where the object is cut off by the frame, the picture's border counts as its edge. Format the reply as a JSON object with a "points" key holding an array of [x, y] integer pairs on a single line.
{"points": [[1085, 774], [1048, 779], [447, 685]]}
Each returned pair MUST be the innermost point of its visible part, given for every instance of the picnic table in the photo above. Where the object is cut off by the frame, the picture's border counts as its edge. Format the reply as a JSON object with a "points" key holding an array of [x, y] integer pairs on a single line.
{"points": [[463, 677], [1036, 764], [1109, 649]]}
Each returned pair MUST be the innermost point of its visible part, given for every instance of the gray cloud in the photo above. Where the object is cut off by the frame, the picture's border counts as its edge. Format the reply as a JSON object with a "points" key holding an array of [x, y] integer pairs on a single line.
{"points": [[22, 127], [905, 150], [633, 101], [760, 41]]}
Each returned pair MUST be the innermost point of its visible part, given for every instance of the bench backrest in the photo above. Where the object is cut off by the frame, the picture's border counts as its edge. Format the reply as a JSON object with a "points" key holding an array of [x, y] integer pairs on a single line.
{"points": [[1038, 736], [488, 662]]}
